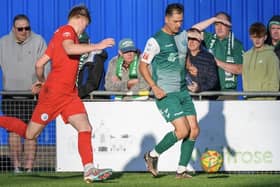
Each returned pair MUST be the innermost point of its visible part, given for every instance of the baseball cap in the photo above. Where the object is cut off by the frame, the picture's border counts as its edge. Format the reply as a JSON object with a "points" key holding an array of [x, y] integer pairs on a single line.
{"points": [[275, 20], [126, 45]]}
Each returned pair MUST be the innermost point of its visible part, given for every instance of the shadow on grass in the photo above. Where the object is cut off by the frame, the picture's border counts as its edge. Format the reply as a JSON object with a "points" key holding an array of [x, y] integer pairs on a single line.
{"points": [[116, 175], [63, 176], [216, 176], [161, 175], [51, 175]]}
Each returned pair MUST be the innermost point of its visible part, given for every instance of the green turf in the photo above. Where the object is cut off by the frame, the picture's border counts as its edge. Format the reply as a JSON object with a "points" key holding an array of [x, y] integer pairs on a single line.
{"points": [[140, 180]]}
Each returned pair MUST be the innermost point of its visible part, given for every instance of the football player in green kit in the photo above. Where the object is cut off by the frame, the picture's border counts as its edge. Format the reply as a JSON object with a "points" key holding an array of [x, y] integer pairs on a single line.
{"points": [[165, 52]]}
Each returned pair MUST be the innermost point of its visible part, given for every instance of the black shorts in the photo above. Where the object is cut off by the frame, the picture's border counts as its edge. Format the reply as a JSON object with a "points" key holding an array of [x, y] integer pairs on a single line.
{"points": [[18, 106]]}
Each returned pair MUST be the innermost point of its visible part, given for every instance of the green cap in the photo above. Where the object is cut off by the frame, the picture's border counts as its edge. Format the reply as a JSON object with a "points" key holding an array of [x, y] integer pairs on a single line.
{"points": [[274, 23], [126, 45]]}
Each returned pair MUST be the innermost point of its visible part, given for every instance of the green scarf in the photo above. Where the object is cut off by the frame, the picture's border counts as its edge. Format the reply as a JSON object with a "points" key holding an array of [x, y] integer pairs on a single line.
{"points": [[230, 79], [132, 67], [83, 57]]}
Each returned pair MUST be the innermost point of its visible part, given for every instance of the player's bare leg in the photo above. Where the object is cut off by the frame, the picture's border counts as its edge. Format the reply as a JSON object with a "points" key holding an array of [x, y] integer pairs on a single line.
{"points": [[29, 153], [32, 132], [15, 150]]}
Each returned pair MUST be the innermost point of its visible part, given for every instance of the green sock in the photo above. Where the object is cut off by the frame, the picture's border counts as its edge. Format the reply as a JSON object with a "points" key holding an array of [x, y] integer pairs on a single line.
{"points": [[168, 140], [186, 151]]}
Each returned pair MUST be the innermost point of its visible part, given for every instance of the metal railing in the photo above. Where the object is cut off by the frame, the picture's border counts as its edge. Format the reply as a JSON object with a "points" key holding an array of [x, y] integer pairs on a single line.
{"points": [[199, 95], [18, 93], [150, 94]]}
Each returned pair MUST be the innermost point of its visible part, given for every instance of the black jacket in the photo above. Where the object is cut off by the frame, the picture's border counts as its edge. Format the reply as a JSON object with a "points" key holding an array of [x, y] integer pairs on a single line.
{"points": [[207, 77], [269, 40], [91, 75]]}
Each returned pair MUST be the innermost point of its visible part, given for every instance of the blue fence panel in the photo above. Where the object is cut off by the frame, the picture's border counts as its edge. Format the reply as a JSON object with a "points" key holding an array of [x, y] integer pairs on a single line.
{"points": [[3, 137], [48, 136], [137, 19]]}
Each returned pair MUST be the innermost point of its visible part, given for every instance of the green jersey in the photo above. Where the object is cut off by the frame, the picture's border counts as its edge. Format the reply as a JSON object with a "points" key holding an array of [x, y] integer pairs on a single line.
{"points": [[166, 54]]}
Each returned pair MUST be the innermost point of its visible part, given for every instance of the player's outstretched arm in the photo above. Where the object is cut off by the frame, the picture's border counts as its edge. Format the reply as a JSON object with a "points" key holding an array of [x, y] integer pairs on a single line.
{"points": [[108, 42], [206, 23], [40, 67], [72, 48]]}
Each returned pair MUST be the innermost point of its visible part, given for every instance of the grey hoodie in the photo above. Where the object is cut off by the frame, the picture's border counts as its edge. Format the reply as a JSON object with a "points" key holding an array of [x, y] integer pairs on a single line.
{"points": [[18, 61]]}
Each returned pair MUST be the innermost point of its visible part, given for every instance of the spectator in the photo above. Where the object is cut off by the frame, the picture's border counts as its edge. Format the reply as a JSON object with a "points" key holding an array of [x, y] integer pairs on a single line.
{"points": [[226, 49], [273, 34], [260, 64], [169, 87], [19, 51], [91, 69], [205, 77], [123, 73]]}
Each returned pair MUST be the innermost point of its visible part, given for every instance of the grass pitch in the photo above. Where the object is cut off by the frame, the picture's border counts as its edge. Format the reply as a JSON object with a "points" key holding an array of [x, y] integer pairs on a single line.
{"points": [[119, 179]]}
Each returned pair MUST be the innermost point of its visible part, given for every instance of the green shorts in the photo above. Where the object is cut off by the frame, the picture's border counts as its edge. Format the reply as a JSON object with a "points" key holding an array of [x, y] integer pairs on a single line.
{"points": [[176, 105]]}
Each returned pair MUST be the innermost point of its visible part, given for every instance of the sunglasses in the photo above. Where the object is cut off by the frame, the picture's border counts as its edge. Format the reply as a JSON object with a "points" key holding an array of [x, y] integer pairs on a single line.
{"points": [[20, 29]]}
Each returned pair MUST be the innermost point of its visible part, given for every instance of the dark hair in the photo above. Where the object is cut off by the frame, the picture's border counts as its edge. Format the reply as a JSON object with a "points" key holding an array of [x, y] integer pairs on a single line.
{"points": [[174, 8], [80, 10], [20, 17], [225, 14], [257, 29]]}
